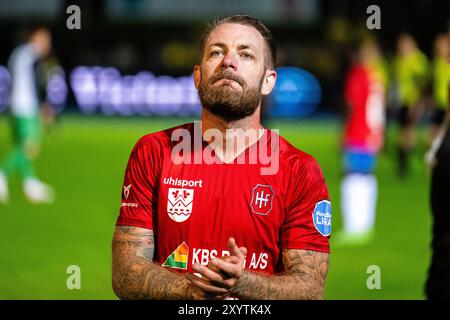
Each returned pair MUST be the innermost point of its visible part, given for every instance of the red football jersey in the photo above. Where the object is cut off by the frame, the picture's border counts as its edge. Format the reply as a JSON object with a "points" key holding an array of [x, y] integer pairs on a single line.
{"points": [[194, 208], [365, 96]]}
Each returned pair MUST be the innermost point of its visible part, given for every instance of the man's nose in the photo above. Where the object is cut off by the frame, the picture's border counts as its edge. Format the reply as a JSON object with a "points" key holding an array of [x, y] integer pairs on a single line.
{"points": [[229, 61]]}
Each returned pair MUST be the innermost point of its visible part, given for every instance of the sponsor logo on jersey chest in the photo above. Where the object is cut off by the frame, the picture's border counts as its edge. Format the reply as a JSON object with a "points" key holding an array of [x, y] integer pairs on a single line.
{"points": [[179, 257]]}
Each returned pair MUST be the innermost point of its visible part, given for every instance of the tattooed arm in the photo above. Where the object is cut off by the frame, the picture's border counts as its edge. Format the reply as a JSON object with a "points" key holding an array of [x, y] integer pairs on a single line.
{"points": [[304, 276], [135, 276]]}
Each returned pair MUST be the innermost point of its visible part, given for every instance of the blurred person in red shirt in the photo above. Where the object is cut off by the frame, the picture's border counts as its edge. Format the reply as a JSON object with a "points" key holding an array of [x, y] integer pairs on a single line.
{"points": [[363, 139]]}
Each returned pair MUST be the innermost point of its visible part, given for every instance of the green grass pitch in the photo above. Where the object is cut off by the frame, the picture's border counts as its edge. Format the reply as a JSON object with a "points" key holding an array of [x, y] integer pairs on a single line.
{"points": [[84, 159]]}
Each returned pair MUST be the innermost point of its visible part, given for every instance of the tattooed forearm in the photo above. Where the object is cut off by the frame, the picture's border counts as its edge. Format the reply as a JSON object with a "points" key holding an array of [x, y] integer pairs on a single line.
{"points": [[141, 240], [134, 276], [304, 278]]}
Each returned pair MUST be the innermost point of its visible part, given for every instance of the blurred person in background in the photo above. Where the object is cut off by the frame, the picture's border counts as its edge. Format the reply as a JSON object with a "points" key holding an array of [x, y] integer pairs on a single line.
{"points": [[441, 78], [26, 118], [363, 139], [411, 72], [48, 68], [438, 281]]}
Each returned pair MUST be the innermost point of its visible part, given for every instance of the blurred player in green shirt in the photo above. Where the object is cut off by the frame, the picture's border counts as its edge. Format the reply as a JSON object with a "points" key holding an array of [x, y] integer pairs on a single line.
{"points": [[411, 72], [441, 79], [26, 118]]}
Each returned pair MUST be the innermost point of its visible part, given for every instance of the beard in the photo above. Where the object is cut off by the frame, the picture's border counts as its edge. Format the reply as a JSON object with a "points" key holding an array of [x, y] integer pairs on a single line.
{"points": [[227, 103]]}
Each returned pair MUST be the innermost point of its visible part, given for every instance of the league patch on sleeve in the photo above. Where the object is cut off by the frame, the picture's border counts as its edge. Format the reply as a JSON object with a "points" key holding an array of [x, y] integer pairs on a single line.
{"points": [[322, 217]]}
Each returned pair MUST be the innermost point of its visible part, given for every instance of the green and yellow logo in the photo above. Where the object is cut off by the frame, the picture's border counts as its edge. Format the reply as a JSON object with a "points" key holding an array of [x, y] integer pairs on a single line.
{"points": [[179, 258]]}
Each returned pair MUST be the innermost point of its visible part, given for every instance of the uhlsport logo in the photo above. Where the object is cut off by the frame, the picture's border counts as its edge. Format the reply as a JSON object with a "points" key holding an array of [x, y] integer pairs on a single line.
{"points": [[262, 196], [126, 191], [179, 258], [322, 217], [179, 204]]}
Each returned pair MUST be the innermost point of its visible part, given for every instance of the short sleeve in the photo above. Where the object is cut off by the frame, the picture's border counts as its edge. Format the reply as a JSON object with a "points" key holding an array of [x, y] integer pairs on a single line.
{"points": [[138, 190], [307, 223]]}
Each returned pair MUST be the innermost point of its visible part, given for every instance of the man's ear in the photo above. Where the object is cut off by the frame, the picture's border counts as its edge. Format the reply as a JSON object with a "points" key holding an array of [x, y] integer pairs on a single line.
{"points": [[197, 76], [270, 77]]}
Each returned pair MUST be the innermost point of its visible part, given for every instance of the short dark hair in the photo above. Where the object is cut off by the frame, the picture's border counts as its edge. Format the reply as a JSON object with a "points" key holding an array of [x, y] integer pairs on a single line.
{"points": [[245, 20]]}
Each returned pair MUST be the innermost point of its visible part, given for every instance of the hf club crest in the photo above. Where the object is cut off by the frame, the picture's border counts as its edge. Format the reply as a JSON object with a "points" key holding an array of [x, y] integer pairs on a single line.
{"points": [[262, 196], [179, 203]]}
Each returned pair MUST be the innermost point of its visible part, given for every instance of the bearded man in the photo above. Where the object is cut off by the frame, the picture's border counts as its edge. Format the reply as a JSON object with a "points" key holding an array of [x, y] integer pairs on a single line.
{"points": [[202, 218]]}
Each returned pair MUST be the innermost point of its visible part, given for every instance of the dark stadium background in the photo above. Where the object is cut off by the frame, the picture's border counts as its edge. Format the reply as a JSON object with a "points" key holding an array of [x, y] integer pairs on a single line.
{"points": [[84, 156], [321, 45]]}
